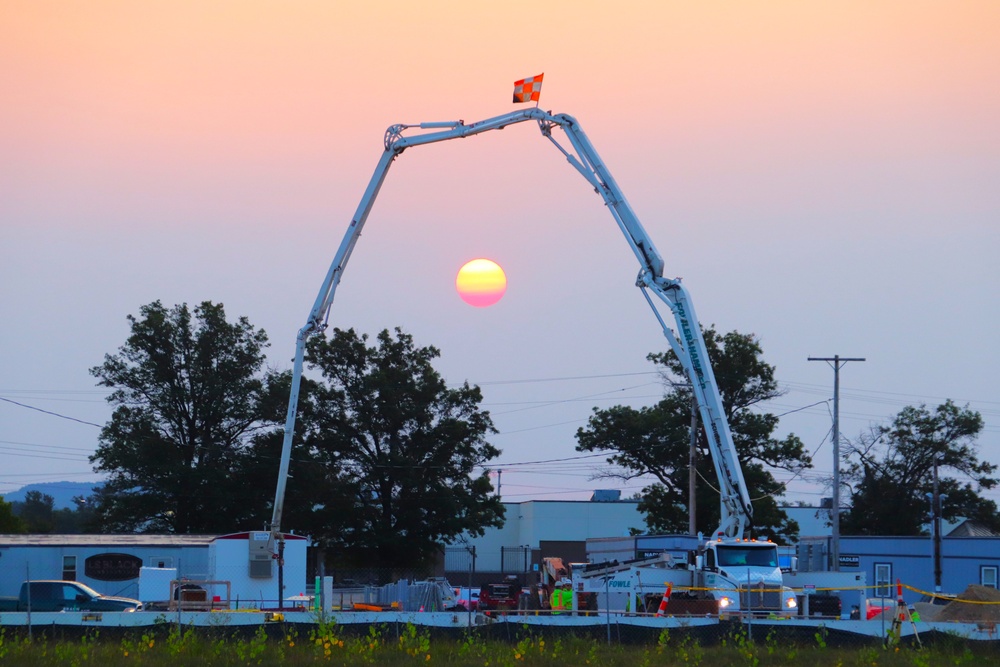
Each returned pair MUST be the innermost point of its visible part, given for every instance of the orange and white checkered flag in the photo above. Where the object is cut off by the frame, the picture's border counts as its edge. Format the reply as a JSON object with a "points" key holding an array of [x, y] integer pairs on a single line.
{"points": [[528, 90]]}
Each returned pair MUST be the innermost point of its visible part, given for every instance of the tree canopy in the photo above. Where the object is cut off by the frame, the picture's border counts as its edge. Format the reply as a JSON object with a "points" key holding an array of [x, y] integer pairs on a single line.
{"points": [[890, 473], [390, 460], [10, 522], [654, 441], [38, 515], [187, 390]]}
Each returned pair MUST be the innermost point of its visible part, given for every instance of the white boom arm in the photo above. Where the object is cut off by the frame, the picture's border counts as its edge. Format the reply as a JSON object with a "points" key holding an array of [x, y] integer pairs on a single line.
{"points": [[737, 512]]}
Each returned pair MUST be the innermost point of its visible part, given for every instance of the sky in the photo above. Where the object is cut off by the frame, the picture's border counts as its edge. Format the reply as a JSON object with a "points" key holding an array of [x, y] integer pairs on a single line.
{"points": [[822, 175]]}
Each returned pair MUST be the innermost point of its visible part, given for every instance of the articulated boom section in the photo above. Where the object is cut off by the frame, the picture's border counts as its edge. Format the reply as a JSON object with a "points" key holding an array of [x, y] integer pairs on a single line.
{"points": [[736, 509]]}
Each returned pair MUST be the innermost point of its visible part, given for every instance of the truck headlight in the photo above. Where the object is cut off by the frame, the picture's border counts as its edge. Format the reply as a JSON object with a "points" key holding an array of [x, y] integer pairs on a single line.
{"points": [[724, 602], [791, 603]]}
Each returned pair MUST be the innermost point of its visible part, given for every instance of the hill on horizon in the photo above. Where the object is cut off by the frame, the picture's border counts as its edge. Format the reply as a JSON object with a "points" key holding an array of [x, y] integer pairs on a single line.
{"points": [[61, 492]]}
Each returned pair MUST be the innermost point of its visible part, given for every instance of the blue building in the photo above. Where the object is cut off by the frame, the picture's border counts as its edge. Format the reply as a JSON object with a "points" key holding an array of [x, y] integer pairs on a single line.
{"points": [[964, 561]]}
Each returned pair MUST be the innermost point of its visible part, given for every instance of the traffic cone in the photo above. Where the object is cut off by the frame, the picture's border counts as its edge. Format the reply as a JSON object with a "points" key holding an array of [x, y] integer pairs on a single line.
{"points": [[900, 605], [663, 602]]}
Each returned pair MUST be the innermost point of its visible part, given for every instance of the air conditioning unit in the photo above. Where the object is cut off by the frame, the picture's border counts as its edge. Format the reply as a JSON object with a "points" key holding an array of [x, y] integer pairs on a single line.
{"points": [[260, 556]]}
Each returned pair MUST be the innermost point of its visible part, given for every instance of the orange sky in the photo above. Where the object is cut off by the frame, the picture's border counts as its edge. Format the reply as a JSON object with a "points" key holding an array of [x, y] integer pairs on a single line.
{"points": [[168, 95]]}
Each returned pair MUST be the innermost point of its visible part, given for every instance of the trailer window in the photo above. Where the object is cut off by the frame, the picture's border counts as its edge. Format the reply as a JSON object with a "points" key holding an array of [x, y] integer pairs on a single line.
{"points": [[69, 568], [988, 576]]}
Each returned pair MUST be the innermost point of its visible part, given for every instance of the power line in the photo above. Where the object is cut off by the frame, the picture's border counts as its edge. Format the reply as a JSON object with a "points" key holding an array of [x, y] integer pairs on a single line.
{"points": [[49, 457], [809, 387], [564, 379], [35, 444], [49, 412]]}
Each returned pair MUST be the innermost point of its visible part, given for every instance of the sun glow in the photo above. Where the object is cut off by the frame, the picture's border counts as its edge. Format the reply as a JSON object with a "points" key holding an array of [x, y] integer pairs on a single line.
{"points": [[481, 283]]}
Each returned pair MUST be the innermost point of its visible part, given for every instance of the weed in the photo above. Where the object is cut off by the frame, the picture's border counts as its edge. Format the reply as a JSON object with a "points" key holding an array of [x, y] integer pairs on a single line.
{"points": [[367, 648], [966, 656], [4, 644], [134, 648], [868, 657], [557, 649], [471, 647], [663, 641], [690, 651], [179, 642], [745, 649], [252, 651], [529, 647], [415, 643], [921, 660], [325, 640]]}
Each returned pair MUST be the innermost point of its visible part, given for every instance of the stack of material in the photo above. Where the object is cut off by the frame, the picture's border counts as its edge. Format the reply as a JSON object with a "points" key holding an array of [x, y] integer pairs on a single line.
{"points": [[928, 611], [981, 604]]}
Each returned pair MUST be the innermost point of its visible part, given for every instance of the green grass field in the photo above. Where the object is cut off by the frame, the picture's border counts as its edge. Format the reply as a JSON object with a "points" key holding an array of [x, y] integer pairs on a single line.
{"points": [[411, 645]]}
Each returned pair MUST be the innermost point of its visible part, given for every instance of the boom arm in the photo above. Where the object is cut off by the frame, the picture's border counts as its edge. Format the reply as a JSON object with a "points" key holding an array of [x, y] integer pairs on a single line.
{"points": [[690, 348]]}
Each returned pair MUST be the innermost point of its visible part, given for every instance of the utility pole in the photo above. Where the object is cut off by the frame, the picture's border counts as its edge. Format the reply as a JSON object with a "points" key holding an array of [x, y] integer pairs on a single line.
{"points": [[837, 363], [936, 527]]}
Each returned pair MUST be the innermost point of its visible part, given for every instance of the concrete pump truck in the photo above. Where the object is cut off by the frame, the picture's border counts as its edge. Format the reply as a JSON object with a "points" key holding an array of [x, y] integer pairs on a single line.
{"points": [[741, 574]]}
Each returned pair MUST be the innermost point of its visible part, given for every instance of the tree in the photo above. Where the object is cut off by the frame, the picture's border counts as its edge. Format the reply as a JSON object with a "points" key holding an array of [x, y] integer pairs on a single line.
{"points": [[654, 441], [187, 389], [37, 514], [890, 471], [37, 511], [10, 522], [82, 518], [394, 456]]}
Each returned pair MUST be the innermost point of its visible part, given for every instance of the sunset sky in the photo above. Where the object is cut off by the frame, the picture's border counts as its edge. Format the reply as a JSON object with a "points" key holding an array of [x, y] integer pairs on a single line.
{"points": [[821, 174]]}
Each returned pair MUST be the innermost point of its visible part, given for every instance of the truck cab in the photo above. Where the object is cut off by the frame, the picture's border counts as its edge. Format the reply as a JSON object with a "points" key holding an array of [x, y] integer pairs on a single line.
{"points": [[745, 577]]}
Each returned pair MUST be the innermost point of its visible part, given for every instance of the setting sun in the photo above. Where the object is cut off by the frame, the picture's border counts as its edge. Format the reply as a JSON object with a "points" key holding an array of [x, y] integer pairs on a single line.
{"points": [[481, 283]]}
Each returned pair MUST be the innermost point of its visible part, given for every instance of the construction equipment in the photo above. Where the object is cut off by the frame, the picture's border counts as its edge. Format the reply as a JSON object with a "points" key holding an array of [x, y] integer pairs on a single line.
{"points": [[902, 614], [501, 597], [553, 573], [757, 580]]}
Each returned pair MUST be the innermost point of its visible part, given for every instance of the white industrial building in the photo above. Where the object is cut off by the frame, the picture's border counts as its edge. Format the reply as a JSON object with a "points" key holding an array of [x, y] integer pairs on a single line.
{"points": [[114, 564], [535, 529]]}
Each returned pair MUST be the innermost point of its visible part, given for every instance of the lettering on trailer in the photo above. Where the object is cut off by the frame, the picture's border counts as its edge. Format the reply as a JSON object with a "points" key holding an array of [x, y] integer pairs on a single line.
{"points": [[112, 567], [615, 583]]}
